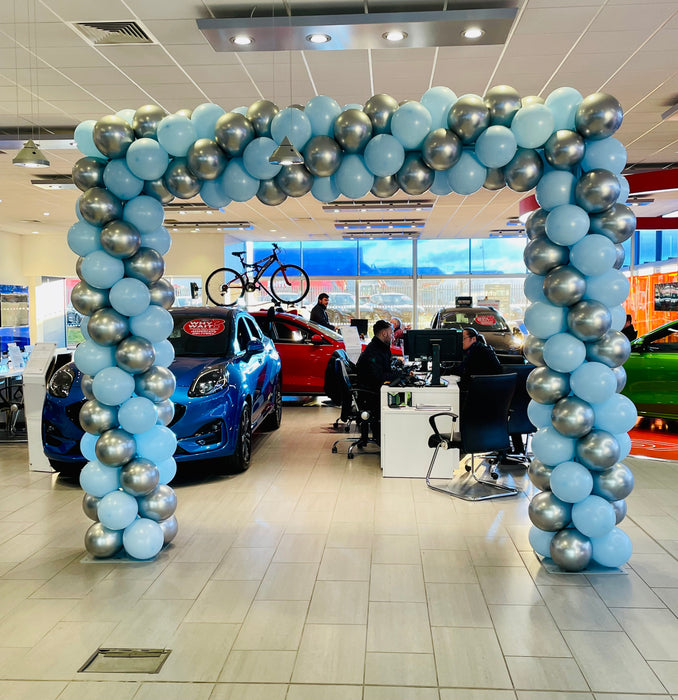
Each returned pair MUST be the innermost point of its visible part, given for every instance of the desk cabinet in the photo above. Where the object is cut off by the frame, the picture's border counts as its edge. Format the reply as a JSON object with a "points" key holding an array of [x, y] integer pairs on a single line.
{"points": [[405, 430]]}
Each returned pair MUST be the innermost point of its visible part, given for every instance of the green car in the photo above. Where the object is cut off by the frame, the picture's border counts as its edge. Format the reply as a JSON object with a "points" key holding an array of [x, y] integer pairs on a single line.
{"points": [[652, 372]]}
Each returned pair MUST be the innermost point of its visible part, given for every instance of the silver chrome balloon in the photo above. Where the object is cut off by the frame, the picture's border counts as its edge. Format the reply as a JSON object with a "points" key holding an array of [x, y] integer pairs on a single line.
{"points": [[112, 135], [158, 505], [261, 114], [589, 320], [540, 474], [524, 170], [620, 374], [535, 226], [564, 285], [89, 506], [385, 187], [352, 130], [206, 160], [120, 239], [564, 149], [135, 355], [165, 411], [96, 417], [322, 156], [88, 172], [146, 265], [548, 512], [185, 112], [162, 293], [503, 101], [102, 542], [87, 299], [572, 417], [541, 255], [619, 510], [598, 450], [612, 349], [139, 477], [613, 484], [545, 385], [233, 132], [180, 180], [597, 190], [531, 100], [533, 350], [294, 180], [86, 385], [571, 550], [107, 327], [78, 267], [598, 116], [98, 206], [468, 118], [115, 447], [414, 177], [442, 149], [621, 256], [157, 189], [617, 223], [269, 193], [157, 384], [380, 110], [169, 527], [146, 119], [495, 179]]}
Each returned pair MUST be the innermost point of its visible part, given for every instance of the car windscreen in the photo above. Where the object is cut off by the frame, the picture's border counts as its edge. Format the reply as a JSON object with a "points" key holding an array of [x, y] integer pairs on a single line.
{"points": [[480, 319], [322, 329], [200, 336]]}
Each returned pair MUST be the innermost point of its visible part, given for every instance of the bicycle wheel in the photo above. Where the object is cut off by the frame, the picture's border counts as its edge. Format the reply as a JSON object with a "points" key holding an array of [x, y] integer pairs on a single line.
{"points": [[289, 284], [224, 287]]}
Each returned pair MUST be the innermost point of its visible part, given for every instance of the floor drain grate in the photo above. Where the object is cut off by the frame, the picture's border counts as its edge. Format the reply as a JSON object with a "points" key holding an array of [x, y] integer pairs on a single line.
{"points": [[125, 661]]}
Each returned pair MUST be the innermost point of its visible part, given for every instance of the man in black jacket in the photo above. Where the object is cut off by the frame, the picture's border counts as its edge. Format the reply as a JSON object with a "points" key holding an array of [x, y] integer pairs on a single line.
{"points": [[479, 358], [319, 312]]}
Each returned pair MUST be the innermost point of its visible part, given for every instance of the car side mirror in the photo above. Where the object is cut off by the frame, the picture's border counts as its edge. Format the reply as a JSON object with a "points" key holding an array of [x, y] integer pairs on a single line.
{"points": [[316, 339], [255, 346]]}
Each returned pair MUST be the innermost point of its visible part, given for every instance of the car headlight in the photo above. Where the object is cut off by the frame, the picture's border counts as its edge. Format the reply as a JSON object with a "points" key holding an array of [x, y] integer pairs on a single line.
{"points": [[209, 381], [61, 381]]}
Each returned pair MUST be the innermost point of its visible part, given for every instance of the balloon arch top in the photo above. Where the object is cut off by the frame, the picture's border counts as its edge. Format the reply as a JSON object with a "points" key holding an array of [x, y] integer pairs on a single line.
{"points": [[137, 160]]}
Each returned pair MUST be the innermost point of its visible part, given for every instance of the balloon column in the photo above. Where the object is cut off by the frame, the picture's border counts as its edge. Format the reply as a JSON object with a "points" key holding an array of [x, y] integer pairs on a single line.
{"points": [[136, 161]]}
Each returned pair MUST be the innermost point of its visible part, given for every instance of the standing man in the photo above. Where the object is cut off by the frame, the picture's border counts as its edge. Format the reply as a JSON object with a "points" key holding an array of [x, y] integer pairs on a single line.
{"points": [[319, 312]]}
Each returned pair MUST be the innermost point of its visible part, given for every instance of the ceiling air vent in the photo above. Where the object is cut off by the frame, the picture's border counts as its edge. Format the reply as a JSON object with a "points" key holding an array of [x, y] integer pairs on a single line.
{"points": [[107, 33]]}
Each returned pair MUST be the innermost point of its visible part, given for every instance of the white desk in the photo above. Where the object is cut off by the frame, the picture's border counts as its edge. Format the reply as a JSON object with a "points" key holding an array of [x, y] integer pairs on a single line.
{"points": [[405, 430]]}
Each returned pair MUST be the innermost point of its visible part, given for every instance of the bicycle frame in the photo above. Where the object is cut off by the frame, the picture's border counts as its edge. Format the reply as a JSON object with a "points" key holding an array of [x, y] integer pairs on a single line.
{"points": [[260, 267]]}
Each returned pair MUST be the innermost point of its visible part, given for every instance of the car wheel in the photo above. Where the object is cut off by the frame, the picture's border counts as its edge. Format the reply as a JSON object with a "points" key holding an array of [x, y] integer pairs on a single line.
{"points": [[239, 461], [273, 420]]}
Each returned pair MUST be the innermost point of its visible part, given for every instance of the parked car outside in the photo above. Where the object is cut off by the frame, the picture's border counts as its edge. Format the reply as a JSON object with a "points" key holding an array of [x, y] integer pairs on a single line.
{"points": [[389, 304], [652, 372], [227, 385], [507, 342], [342, 307]]}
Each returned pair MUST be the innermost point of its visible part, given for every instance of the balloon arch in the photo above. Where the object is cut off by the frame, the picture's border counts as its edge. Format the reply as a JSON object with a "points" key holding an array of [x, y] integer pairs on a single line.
{"points": [[136, 161]]}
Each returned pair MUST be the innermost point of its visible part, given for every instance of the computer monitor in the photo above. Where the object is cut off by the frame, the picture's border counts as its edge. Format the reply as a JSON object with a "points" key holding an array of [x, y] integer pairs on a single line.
{"points": [[435, 344], [361, 325]]}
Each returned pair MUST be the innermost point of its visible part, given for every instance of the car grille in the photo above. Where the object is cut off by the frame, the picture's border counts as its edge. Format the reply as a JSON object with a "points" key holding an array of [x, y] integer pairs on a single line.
{"points": [[179, 410], [73, 412]]}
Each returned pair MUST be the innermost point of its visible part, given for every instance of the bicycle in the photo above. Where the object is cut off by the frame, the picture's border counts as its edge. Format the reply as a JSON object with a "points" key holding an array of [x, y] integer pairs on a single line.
{"points": [[289, 284]]}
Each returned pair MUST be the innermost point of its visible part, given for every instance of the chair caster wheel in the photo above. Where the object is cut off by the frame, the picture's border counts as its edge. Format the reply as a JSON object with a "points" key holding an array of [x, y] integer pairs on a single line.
{"points": [[349, 456], [468, 469], [334, 450], [347, 429], [494, 475]]}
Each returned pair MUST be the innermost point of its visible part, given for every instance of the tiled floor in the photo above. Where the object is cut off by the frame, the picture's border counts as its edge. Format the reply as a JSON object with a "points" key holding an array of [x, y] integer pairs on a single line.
{"points": [[311, 576]]}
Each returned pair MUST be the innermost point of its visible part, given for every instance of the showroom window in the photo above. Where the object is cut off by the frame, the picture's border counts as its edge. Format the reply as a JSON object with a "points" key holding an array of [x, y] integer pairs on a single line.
{"points": [[497, 256], [385, 258], [443, 257]]}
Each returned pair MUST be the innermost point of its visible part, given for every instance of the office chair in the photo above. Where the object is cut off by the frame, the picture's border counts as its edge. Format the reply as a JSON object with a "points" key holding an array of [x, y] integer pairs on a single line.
{"points": [[483, 427], [339, 390], [519, 422]]}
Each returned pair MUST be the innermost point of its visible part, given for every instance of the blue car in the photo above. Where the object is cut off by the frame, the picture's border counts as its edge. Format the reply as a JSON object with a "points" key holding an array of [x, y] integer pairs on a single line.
{"points": [[228, 384]]}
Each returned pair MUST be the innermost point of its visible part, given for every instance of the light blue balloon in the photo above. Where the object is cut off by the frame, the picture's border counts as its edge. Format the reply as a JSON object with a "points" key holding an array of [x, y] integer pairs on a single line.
{"points": [[101, 270], [544, 319], [438, 101], [204, 117], [164, 353], [90, 358], [88, 446], [117, 510], [550, 447], [441, 183], [540, 541], [571, 482], [294, 124], [321, 112], [567, 224], [147, 159], [112, 386], [83, 238], [384, 155], [155, 324], [467, 175], [533, 287], [78, 213], [240, 110], [213, 194], [594, 516], [119, 179], [137, 415], [618, 315], [156, 444], [532, 125], [97, 479], [563, 352], [159, 240], [351, 105], [411, 124], [611, 288], [539, 413], [616, 415], [563, 103], [129, 296], [176, 134], [624, 189], [127, 115], [83, 328], [325, 189], [144, 213], [167, 470], [593, 382], [255, 158], [84, 141], [555, 189], [593, 254], [353, 178], [624, 441], [238, 184], [143, 539], [496, 146], [613, 549], [608, 154]]}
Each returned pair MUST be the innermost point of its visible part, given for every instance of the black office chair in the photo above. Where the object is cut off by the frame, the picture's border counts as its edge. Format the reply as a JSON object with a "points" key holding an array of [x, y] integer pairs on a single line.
{"points": [[339, 390], [519, 423], [483, 428]]}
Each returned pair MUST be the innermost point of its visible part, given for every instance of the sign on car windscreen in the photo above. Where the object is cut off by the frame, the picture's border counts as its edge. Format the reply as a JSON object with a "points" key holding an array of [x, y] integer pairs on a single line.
{"points": [[200, 336]]}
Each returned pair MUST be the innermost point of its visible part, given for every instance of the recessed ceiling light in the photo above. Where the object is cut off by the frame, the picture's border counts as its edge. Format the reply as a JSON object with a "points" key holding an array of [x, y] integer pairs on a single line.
{"points": [[45, 213], [34, 232], [242, 40], [472, 33], [318, 38], [273, 230], [183, 213], [209, 212], [394, 35]]}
